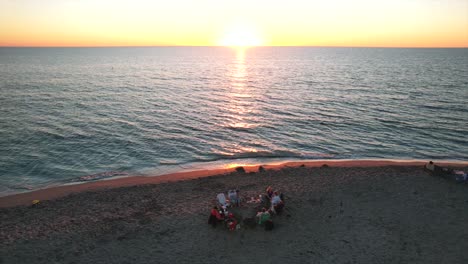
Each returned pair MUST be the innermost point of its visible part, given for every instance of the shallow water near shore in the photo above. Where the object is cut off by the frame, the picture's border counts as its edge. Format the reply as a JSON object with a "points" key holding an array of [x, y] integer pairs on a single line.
{"points": [[69, 113]]}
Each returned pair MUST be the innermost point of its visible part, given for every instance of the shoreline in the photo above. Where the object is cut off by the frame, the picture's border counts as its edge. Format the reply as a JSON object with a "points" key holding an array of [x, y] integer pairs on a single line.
{"points": [[50, 193]]}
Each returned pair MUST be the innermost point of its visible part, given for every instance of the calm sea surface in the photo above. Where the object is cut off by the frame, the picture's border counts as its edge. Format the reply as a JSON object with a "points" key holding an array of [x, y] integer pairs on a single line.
{"points": [[66, 113]]}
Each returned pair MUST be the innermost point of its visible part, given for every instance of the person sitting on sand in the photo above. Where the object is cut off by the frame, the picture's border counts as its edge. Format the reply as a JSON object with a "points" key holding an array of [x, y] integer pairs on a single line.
{"points": [[231, 222], [259, 214], [275, 199], [217, 213], [276, 203], [430, 166], [224, 212], [215, 216], [438, 170], [233, 197], [269, 192], [263, 216], [222, 199]]}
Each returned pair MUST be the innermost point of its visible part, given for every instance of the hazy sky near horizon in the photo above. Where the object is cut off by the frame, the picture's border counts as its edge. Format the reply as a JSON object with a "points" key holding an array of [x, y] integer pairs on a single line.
{"points": [[401, 23]]}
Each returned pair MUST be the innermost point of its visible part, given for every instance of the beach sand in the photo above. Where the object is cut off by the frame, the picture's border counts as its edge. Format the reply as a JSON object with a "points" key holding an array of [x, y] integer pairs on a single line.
{"points": [[349, 212]]}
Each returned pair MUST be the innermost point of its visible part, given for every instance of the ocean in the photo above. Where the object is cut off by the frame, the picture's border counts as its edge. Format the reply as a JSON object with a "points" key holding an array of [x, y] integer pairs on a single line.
{"points": [[78, 114]]}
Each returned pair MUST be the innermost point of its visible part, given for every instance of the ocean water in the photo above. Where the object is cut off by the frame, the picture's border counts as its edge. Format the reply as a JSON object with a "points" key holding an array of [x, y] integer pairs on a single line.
{"points": [[68, 113]]}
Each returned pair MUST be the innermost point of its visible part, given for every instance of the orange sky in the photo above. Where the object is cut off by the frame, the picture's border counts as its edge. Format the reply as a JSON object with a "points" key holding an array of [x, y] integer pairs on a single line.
{"points": [[398, 23]]}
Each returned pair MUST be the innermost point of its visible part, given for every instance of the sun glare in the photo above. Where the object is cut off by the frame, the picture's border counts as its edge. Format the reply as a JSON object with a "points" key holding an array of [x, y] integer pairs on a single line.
{"points": [[241, 35]]}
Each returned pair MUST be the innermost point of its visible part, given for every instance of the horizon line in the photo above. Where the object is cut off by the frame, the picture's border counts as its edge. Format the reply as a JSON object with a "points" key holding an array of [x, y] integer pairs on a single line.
{"points": [[220, 46]]}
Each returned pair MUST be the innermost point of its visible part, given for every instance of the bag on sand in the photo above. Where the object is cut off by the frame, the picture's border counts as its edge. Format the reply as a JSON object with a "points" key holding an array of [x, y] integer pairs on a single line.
{"points": [[269, 225]]}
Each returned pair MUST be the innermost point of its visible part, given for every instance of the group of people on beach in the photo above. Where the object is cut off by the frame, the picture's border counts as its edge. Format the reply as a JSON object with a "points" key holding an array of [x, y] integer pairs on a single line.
{"points": [[274, 201], [220, 213], [459, 176]]}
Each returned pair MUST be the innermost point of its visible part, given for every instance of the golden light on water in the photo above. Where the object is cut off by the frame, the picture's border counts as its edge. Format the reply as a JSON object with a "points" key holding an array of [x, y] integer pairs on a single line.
{"points": [[239, 106], [239, 73], [235, 165]]}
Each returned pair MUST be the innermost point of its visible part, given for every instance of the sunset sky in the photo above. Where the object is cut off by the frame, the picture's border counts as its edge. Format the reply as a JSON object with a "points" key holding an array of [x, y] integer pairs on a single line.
{"points": [[396, 23]]}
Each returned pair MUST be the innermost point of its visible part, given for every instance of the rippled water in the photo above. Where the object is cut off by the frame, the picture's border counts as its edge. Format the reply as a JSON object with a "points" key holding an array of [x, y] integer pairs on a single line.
{"points": [[72, 112]]}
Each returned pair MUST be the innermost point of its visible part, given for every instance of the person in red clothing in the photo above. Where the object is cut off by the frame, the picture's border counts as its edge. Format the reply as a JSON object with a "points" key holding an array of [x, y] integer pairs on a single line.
{"points": [[215, 216], [232, 222]]}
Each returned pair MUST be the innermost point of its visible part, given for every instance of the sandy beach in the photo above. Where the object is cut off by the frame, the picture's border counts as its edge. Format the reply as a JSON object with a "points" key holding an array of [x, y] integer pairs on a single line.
{"points": [[347, 212]]}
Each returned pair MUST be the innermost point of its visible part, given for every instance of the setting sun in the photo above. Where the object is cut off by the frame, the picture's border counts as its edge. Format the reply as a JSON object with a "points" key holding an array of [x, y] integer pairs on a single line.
{"points": [[242, 23], [241, 35]]}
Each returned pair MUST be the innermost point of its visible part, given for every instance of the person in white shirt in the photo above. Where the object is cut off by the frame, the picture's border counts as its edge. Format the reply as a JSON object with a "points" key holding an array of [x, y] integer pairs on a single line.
{"points": [[430, 166], [233, 197], [275, 199]]}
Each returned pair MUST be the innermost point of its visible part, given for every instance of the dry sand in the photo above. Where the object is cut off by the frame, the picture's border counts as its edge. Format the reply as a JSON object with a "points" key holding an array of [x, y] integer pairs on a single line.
{"points": [[338, 214]]}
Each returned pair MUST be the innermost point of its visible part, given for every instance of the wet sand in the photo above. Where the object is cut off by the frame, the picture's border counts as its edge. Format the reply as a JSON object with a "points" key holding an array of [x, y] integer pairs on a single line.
{"points": [[349, 212]]}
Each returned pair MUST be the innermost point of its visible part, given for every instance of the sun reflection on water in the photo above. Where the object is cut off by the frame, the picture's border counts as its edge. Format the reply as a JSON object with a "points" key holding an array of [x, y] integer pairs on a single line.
{"points": [[239, 74], [239, 106], [235, 165]]}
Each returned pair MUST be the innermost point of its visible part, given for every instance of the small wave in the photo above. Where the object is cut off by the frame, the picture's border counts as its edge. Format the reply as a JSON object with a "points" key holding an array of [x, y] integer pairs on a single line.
{"points": [[433, 107], [278, 154], [239, 128], [49, 134], [21, 187], [169, 162], [245, 127], [100, 176]]}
